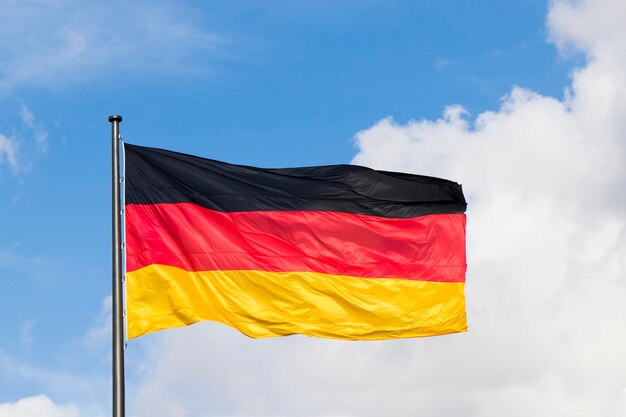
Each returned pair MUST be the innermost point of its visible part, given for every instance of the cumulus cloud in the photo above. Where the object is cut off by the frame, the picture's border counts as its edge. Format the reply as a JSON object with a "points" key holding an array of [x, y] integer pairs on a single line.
{"points": [[52, 43], [591, 26], [38, 406], [545, 181]]}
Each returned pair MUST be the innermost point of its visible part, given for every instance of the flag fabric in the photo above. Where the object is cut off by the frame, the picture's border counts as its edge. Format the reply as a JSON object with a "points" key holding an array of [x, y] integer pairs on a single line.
{"points": [[338, 251]]}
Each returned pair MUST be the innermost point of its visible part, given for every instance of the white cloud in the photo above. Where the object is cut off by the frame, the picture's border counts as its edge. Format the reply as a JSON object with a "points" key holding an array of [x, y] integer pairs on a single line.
{"points": [[52, 43], [26, 332], [8, 151], [20, 150], [441, 63], [12, 261], [86, 392], [83, 387], [27, 117], [591, 26], [39, 133], [37, 406], [546, 291], [100, 333]]}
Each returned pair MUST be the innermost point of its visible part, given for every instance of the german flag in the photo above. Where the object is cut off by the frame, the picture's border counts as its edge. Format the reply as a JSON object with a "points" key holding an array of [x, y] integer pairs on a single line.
{"points": [[338, 251]]}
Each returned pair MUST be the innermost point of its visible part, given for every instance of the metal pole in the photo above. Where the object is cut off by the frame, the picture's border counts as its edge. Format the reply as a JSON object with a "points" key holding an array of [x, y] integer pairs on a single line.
{"points": [[118, 320]]}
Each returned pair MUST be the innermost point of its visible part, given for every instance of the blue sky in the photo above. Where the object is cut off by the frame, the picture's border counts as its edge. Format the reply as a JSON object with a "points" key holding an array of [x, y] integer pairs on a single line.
{"points": [[539, 122]]}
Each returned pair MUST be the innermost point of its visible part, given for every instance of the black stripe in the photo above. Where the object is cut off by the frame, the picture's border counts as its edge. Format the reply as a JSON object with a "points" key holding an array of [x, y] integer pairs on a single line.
{"points": [[160, 176]]}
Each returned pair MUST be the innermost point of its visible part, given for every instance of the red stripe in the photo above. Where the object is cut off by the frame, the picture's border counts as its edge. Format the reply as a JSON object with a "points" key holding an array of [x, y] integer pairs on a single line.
{"points": [[187, 236]]}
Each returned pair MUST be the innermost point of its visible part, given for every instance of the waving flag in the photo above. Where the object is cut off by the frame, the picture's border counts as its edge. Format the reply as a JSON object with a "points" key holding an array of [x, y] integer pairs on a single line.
{"points": [[337, 251]]}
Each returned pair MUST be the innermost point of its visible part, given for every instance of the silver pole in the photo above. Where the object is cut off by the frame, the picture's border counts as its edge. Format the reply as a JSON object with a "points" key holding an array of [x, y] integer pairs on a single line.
{"points": [[118, 320]]}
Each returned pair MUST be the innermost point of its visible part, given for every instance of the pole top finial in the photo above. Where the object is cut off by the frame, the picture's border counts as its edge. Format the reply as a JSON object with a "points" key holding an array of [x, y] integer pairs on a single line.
{"points": [[115, 118]]}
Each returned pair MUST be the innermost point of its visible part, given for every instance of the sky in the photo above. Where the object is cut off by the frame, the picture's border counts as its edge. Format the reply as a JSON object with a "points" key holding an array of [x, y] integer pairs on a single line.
{"points": [[522, 101]]}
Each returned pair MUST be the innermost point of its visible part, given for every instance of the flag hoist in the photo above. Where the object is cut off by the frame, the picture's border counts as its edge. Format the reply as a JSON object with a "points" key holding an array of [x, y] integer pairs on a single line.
{"points": [[338, 251]]}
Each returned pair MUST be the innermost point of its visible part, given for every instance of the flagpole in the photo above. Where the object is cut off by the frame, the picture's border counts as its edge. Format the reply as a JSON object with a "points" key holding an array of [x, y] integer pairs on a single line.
{"points": [[117, 313]]}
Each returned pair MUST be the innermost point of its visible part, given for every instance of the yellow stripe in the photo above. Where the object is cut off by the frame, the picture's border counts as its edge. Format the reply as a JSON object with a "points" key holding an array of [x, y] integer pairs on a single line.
{"points": [[267, 304]]}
